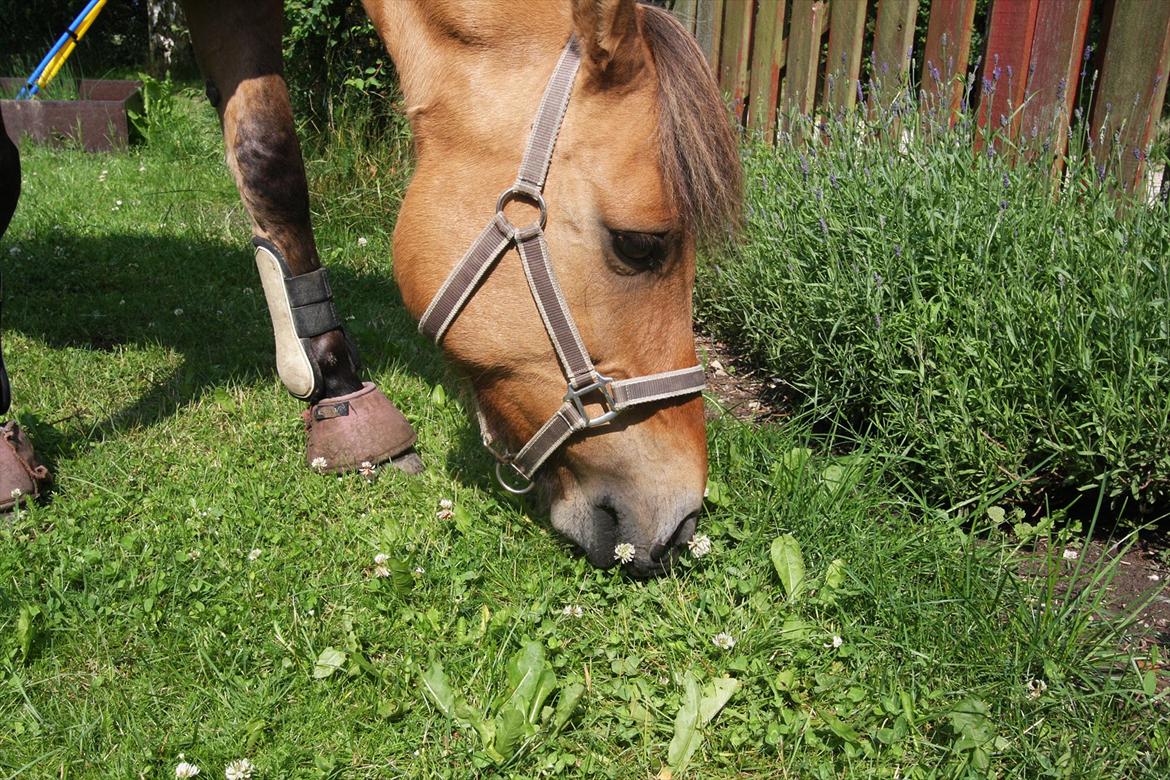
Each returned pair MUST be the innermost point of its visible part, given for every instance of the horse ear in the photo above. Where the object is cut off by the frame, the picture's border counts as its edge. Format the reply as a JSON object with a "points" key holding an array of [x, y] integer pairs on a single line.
{"points": [[609, 31]]}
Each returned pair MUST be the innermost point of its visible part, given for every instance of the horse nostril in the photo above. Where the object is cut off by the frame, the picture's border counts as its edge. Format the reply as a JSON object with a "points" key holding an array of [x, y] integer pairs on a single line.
{"points": [[684, 531]]}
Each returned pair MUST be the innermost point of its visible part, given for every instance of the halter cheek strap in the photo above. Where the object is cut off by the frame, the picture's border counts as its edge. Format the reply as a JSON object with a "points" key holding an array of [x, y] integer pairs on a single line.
{"points": [[585, 383]]}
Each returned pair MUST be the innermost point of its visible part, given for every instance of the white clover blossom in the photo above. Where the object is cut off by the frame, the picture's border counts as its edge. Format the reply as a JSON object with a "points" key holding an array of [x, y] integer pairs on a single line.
{"points": [[1036, 688], [835, 643], [723, 640], [699, 545], [367, 469], [194, 555], [419, 571], [255, 553], [624, 552], [319, 463], [240, 769], [16, 493], [446, 503], [185, 769], [1070, 554], [572, 610], [380, 568], [362, 241], [178, 312], [446, 509]]}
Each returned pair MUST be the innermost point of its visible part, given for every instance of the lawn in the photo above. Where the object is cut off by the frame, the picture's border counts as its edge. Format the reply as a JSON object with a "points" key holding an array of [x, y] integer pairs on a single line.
{"points": [[190, 592]]}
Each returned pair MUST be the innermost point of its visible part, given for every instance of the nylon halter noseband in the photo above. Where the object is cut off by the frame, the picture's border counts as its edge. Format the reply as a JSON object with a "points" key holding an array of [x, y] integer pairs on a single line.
{"points": [[500, 234]]}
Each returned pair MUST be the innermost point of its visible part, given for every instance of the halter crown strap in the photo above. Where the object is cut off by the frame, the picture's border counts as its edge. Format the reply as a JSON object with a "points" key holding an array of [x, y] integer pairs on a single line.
{"points": [[583, 378]]}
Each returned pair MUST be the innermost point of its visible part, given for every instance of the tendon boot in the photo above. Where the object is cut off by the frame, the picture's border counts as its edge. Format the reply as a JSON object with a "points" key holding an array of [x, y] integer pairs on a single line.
{"points": [[356, 430]]}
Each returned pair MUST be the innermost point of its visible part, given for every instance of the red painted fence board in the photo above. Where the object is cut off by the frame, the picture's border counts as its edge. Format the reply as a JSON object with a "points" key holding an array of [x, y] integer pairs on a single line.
{"points": [[1005, 65], [947, 54], [768, 52], [1054, 66]]}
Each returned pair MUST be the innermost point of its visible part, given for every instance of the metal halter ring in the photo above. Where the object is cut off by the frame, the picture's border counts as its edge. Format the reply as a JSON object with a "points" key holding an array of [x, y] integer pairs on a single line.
{"points": [[506, 486], [532, 196]]}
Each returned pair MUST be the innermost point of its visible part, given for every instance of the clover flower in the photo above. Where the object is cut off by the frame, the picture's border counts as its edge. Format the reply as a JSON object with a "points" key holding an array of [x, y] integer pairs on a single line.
{"points": [[1070, 554], [240, 769], [723, 640], [319, 463], [362, 241], [1036, 688], [699, 545], [380, 568], [835, 643], [255, 553], [185, 769], [624, 552], [367, 469], [572, 610]]}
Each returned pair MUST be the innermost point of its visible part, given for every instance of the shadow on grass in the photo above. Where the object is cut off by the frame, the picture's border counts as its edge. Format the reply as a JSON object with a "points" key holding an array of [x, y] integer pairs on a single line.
{"points": [[201, 299]]}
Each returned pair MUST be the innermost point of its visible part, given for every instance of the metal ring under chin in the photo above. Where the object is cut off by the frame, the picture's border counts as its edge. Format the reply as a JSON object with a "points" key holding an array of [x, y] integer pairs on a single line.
{"points": [[506, 486]]}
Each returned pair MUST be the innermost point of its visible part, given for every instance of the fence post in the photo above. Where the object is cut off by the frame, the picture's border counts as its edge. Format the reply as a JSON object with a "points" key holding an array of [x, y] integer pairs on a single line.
{"points": [[846, 28], [1056, 59], [892, 39], [734, 52], [1005, 67], [709, 30], [804, 54], [947, 52], [767, 61], [1132, 87]]}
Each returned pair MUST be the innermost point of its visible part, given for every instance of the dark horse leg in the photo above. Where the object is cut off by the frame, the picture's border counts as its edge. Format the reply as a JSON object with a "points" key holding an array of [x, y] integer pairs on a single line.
{"points": [[21, 476], [349, 421]]}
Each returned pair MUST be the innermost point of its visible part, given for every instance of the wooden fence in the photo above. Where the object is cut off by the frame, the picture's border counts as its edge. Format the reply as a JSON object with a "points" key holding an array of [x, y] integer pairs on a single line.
{"points": [[778, 58]]}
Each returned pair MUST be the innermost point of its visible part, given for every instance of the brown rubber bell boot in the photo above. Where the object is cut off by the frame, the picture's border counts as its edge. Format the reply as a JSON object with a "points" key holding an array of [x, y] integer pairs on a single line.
{"points": [[363, 427], [21, 474]]}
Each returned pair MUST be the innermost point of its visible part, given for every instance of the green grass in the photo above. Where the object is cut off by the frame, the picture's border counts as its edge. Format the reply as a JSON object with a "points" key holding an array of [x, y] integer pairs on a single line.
{"points": [[958, 310], [135, 625]]}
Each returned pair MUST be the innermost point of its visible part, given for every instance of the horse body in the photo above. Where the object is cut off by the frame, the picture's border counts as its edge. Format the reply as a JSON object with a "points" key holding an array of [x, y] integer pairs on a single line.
{"points": [[645, 160]]}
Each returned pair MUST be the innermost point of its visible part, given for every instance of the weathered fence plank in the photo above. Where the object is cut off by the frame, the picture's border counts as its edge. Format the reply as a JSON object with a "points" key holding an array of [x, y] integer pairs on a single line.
{"points": [[685, 12], [1005, 67], [947, 54], [846, 30], [1132, 86], [892, 40], [733, 56], [804, 54], [768, 50], [709, 30], [1055, 61]]}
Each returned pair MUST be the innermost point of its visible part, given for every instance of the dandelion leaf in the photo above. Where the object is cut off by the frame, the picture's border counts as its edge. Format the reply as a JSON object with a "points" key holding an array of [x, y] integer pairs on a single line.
{"points": [[511, 728]]}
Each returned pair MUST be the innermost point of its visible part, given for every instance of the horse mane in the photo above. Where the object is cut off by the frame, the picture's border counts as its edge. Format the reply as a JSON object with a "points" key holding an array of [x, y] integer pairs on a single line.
{"points": [[698, 152]]}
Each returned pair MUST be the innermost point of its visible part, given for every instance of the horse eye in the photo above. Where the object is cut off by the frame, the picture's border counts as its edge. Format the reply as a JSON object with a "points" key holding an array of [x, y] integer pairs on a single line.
{"points": [[640, 251]]}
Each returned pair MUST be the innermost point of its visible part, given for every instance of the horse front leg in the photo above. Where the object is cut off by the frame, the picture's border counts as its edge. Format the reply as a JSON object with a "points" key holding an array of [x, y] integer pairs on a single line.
{"points": [[349, 422]]}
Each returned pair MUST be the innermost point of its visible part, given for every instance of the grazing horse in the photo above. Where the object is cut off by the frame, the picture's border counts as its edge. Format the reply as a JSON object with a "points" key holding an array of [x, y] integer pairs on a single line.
{"points": [[592, 291]]}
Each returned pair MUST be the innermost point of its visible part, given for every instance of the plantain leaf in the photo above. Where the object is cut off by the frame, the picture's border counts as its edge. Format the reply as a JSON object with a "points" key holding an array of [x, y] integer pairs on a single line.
{"points": [[789, 563], [715, 696], [686, 728], [329, 661], [511, 727], [566, 703]]}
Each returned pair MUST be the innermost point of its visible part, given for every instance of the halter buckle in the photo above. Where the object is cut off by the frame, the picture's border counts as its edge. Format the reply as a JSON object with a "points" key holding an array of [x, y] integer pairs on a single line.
{"points": [[599, 385]]}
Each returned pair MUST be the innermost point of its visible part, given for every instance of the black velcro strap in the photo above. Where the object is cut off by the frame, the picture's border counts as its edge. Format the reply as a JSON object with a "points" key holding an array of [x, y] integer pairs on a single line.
{"points": [[305, 289], [315, 319]]}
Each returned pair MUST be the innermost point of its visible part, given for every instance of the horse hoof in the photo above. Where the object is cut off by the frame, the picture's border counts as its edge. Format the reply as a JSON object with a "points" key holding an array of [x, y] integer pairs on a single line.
{"points": [[357, 431], [21, 474]]}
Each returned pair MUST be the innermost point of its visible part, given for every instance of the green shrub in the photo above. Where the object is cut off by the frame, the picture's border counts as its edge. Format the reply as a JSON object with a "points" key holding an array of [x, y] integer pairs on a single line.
{"points": [[988, 323]]}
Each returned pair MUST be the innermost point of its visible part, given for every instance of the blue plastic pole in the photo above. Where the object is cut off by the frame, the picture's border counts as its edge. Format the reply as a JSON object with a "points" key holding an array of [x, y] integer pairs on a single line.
{"points": [[30, 87]]}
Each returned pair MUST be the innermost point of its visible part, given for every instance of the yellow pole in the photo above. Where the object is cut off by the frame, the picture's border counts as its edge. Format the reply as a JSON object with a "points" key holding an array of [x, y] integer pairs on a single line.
{"points": [[57, 62]]}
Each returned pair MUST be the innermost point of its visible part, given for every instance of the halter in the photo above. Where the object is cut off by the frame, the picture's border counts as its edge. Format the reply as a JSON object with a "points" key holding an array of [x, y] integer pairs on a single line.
{"points": [[500, 234]]}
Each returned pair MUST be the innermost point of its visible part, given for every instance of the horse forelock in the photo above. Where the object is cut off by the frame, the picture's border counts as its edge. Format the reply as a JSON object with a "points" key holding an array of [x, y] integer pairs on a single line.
{"points": [[698, 152]]}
